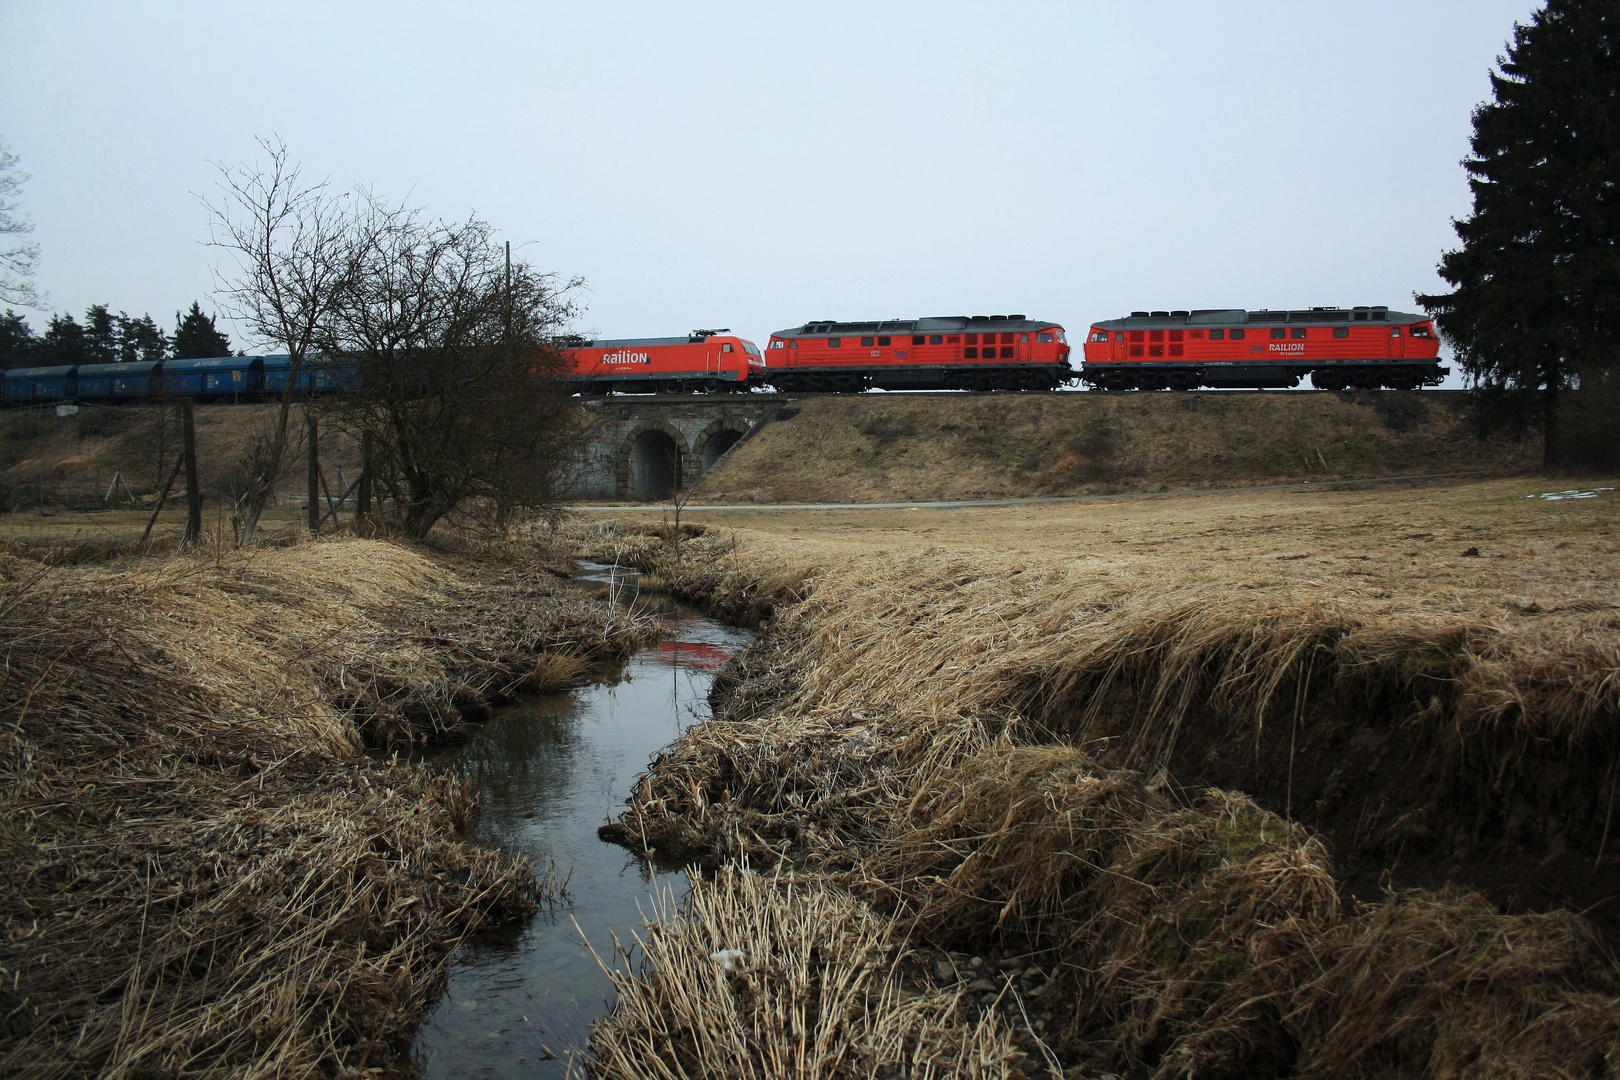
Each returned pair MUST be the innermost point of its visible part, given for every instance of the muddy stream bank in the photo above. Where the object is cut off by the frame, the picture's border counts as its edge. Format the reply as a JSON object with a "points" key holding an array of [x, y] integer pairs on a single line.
{"points": [[548, 771]]}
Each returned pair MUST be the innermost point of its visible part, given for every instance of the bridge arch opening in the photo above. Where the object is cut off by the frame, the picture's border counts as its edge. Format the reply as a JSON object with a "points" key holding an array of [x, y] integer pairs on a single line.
{"points": [[655, 465], [717, 445]]}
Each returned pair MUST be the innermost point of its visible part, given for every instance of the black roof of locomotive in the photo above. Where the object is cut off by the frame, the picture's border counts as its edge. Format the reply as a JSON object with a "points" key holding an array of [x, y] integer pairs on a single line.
{"points": [[939, 324], [1142, 320]]}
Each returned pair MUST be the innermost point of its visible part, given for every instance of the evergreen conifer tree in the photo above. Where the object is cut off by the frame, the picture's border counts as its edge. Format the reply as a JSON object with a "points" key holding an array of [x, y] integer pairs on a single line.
{"points": [[17, 341], [140, 339], [100, 335], [1536, 283], [62, 343], [195, 336]]}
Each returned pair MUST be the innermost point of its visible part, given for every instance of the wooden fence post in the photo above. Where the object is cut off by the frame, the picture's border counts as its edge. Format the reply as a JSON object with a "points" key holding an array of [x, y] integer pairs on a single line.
{"points": [[314, 473], [188, 450]]}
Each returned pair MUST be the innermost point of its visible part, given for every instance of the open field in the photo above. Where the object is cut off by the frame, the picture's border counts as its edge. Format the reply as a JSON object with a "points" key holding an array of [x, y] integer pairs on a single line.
{"points": [[1268, 784], [204, 874]]}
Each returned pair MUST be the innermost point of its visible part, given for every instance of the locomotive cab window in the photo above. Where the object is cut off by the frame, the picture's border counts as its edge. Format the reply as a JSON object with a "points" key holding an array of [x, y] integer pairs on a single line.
{"points": [[726, 347], [1217, 335], [1043, 338], [1422, 331], [778, 344]]}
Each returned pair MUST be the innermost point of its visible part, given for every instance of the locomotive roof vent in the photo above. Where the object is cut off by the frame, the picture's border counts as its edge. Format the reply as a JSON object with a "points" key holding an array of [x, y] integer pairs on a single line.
{"points": [[1161, 315], [1018, 316], [998, 318], [979, 318], [1179, 314], [1139, 314]]}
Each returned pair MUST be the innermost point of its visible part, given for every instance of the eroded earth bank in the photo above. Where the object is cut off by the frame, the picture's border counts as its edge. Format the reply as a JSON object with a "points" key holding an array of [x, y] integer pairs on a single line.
{"points": [[1318, 787]]}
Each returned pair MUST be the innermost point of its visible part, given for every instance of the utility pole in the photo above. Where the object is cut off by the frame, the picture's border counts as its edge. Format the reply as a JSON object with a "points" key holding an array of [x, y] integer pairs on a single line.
{"points": [[314, 472]]}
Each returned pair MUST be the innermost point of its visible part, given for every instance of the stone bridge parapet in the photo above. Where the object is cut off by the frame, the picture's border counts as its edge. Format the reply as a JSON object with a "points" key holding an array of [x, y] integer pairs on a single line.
{"points": [[641, 447]]}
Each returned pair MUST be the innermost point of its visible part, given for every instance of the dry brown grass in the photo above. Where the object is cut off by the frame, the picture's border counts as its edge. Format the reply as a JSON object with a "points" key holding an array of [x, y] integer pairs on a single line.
{"points": [[204, 877], [960, 735], [761, 978], [881, 448]]}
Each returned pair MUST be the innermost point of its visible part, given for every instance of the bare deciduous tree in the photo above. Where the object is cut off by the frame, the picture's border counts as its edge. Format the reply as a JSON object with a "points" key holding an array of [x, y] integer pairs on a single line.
{"points": [[18, 256], [461, 389], [297, 247]]}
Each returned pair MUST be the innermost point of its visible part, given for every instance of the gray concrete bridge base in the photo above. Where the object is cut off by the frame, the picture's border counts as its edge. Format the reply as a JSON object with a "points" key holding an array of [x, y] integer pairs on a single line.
{"points": [[639, 447]]}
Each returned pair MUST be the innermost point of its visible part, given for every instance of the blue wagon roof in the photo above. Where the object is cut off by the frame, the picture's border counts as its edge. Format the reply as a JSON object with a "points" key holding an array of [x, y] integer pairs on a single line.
{"points": [[58, 372], [212, 363], [131, 367]]}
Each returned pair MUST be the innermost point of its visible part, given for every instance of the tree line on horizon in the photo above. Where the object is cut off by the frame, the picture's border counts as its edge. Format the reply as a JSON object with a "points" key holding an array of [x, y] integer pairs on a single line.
{"points": [[107, 338]]}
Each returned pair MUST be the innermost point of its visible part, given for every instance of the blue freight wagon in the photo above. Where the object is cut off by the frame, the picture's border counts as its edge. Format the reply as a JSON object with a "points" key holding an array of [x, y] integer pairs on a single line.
{"points": [[38, 385], [131, 381], [315, 376], [214, 377]]}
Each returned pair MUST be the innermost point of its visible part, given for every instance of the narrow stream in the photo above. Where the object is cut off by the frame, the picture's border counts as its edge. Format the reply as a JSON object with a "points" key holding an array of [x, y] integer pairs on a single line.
{"points": [[548, 770]]}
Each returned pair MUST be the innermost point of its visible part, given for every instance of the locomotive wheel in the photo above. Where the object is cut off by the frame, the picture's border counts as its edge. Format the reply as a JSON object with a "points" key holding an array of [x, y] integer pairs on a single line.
{"points": [[711, 386]]}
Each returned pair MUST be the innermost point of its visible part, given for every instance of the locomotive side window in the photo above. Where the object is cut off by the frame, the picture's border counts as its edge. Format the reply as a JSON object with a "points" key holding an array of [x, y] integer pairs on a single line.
{"points": [[866, 343], [1237, 335], [835, 343], [1278, 332], [726, 347], [1023, 339], [883, 341], [935, 339], [1296, 332], [1120, 336], [1422, 331], [1341, 331], [1394, 331], [918, 339], [1043, 338], [1217, 335]]}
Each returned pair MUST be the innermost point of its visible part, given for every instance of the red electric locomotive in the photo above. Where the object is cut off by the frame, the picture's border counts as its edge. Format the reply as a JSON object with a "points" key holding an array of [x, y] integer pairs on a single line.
{"points": [[705, 360], [957, 352], [1339, 348]]}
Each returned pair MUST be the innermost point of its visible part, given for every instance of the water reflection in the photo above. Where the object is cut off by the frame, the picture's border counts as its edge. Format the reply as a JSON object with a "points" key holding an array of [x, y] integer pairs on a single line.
{"points": [[548, 771]]}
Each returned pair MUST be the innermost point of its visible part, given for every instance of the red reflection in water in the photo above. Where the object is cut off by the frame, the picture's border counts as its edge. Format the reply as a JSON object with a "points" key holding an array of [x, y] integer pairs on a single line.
{"points": [[688, 654]]}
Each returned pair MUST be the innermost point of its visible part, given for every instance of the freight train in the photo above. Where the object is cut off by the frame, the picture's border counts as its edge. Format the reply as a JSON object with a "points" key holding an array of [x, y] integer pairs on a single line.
{"points": [[215, 378], [1339, 348]]}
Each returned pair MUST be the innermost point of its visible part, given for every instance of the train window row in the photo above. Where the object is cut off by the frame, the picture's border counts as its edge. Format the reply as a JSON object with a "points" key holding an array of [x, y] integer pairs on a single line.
{"points": [[1277, 332], [973, 340]]}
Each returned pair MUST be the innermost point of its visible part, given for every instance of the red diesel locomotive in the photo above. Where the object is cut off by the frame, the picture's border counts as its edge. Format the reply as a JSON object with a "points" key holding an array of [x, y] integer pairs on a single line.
{"points": [[1339, 348], [956, 352], [711, 361]]}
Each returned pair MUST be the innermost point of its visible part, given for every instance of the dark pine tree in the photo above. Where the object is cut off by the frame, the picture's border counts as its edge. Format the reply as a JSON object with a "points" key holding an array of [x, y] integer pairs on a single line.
{"points": [[100, 335], [140, 339], [18, 345], [1536, 283], [63, 342], [196, 337]]}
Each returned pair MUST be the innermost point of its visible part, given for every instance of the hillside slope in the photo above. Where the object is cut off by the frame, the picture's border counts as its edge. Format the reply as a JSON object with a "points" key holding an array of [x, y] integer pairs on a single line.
{"points": [[880, 447]]}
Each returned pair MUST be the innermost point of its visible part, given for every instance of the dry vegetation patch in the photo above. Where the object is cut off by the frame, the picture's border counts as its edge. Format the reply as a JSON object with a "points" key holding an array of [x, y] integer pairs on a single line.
{"points": [[1017, 747], [204, 875]]}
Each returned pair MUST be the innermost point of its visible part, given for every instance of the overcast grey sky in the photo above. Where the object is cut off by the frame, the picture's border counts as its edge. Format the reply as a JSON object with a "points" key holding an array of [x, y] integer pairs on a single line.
{"points": [[754, 165]]}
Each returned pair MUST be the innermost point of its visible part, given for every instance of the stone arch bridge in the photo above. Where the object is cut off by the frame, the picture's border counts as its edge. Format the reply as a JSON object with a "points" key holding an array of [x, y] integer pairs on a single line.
{"points": [[641, 447]]}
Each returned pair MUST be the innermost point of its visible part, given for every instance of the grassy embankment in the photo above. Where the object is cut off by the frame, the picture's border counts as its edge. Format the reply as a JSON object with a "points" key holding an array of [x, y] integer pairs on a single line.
{"points": [[1022, 735], [883, 448], [204, 874]]}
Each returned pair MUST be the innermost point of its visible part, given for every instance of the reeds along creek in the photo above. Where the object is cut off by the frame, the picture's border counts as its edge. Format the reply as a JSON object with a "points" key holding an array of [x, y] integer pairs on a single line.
{"points": [[1012, 757], [203, 873]]}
